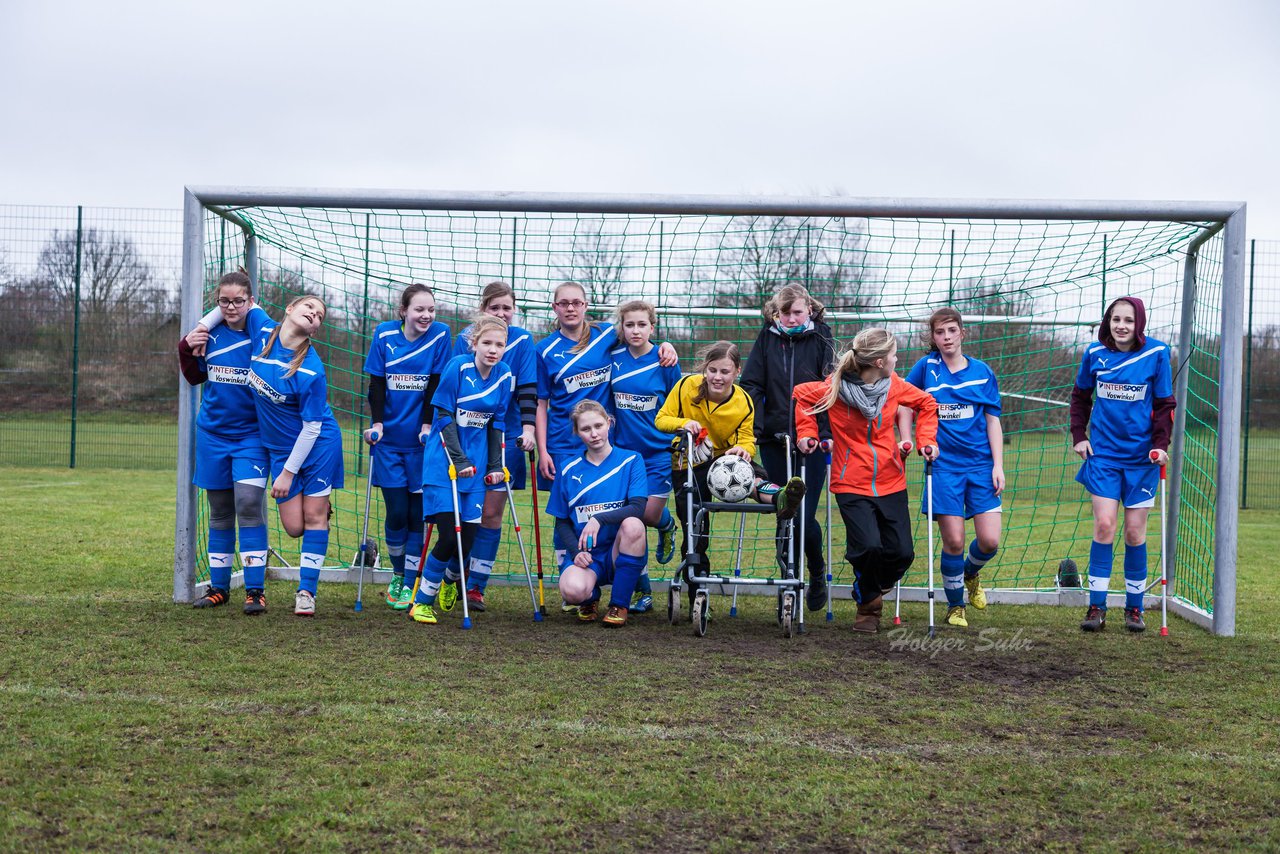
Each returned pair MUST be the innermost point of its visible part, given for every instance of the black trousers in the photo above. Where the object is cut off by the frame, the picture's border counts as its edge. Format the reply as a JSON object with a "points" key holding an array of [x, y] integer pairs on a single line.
{"points": [[813, 470], [877, 541]]}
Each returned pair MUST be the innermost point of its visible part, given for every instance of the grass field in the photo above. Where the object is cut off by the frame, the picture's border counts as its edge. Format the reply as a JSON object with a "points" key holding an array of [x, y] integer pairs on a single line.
{"points": [[127, 722]]}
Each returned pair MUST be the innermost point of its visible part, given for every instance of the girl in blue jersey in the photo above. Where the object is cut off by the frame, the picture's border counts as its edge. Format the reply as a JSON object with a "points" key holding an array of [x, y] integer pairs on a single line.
{"points": [[597, 500], [498, 299], [231, 463], [470, 404], [640, 386], [1123, 448], [573, 365], [969, 473], [404, 364]]}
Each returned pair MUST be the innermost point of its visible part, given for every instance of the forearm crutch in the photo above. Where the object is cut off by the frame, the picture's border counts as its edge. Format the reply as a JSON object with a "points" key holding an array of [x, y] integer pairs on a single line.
{"points": [[457, 533], [928, 491], [1164, 545], [537, 531], [364, 535], [897, 588], [515, 521], [826, 446]]}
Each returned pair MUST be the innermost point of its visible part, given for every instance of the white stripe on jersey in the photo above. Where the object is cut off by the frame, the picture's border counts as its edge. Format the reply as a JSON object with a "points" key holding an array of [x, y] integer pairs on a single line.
{"points": [[599, 480], [419, 349], [932, 389], [281, 364], [585, 351], [652, 367], [511, 344], [490, 387], [1129, 362], [245, 343]]}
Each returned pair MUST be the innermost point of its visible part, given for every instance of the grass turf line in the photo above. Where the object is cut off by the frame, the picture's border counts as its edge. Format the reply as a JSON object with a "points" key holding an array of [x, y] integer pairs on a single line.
{"points": [[128, 722]]}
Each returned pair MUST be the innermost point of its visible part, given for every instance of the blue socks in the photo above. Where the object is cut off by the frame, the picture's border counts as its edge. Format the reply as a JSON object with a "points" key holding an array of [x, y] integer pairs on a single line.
{"points": [[1100, 558], [314, 546], [1135, 575], [432, 574], [253, 556], [396, 540], [953, 578], [484, 552], [976, 559], [412, 558], [222, 548], [626, 572]]}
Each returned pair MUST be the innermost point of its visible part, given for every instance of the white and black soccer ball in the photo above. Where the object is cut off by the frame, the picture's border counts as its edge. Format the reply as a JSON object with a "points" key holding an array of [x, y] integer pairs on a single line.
{"points": [[730, 478]]}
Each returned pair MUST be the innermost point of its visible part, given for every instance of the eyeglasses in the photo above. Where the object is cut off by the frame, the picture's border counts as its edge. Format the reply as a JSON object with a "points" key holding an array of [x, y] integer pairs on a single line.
{"points": [[570, 303], [238, 302]]}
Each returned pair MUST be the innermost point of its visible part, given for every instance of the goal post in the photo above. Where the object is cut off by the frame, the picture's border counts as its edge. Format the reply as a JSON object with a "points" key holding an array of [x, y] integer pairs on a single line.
{"points": [[1030, 277]]}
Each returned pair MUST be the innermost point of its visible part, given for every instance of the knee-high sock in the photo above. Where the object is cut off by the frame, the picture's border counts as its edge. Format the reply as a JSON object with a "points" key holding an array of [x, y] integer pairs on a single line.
{"points": [[253, 556], [953, 578], [412, 557], [432, 575], [976, 559], [626, 572], [222, 548], [397, 539], [1100, 558], [1135, 575], [484, 552], [315, 544]]}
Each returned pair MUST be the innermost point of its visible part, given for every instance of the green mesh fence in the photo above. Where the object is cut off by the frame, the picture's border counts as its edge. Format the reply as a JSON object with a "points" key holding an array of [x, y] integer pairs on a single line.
{"points": [[88, 327], [1032, 293]]}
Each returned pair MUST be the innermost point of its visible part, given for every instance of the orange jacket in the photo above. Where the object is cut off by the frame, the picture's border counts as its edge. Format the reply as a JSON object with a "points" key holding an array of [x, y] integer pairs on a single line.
{"points": [[864, 456]]}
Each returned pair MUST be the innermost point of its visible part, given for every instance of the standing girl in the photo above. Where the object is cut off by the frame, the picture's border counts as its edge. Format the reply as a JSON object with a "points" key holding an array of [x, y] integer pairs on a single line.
{"points": [[720, 419], [231, 463], [470, 404], [969, 476], [404, 363], [861, 400], [1122, 449], [597, 501], [795, 346], [640, 385], [498, 299]]}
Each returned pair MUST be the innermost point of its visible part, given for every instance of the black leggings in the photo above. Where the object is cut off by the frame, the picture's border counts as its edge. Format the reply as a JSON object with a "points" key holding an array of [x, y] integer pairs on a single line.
{"points": [[877, 541], [813, 469], [447, 541]]}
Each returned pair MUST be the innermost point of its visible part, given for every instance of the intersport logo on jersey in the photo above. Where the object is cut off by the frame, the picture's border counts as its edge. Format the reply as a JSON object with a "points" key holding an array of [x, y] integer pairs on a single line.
{"points": [[407, 382], [1126, 392], [467, 418], [228, 375], [258, 384], [588, 379], [635, 402], [586, 511], [954, 411]]}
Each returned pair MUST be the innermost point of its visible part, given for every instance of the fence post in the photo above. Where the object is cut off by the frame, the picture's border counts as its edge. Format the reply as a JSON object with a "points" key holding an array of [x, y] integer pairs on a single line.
{"points": [[75, 336], [1248, 379]]}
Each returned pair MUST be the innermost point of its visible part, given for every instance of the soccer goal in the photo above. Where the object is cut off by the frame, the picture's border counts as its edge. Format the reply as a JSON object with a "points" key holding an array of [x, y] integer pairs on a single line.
{"points": [[1030, 277]]}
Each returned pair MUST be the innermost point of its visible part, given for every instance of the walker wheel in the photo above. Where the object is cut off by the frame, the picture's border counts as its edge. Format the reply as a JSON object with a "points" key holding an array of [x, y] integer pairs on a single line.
{"points": [[788, 610], [700, 614]]}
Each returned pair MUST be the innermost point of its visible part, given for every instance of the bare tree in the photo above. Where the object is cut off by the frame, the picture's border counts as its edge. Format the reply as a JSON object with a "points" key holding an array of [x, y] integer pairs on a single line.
{"points": [[598, 261], [111, 270]]}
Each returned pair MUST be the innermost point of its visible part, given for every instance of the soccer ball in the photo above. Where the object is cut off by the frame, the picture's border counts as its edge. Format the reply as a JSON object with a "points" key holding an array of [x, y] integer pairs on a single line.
{"points": [[730, 478]]}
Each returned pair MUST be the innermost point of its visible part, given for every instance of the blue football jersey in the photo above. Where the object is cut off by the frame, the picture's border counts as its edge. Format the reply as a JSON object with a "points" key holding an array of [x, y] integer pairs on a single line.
{"points": [[283, 403], [407, 366], [566, 378], [519, 357], [472, 402], [965, 399], [226, 401], [1125, 387], [640, 387], [583, 489]]}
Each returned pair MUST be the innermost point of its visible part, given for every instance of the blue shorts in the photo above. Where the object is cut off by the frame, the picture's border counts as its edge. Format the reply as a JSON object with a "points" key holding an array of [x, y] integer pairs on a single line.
{"points": [[438, 499], [961, 493], [561, 459], [657, 468], [1133, 486], [222, 462], [393, 467], [321, 473], [601, 564], [516, 467]]}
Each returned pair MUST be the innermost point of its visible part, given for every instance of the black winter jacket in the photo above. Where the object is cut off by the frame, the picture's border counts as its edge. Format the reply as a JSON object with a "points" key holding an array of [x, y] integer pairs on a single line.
{"points": [[778, 363]]}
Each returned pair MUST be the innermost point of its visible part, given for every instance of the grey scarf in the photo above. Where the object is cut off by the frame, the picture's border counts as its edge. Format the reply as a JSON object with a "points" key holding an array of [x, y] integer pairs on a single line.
{"points": [[868, 397]]}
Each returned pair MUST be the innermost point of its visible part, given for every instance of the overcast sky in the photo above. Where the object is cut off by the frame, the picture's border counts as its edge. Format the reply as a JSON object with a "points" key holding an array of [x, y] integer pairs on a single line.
{"points": [[124, 103]]}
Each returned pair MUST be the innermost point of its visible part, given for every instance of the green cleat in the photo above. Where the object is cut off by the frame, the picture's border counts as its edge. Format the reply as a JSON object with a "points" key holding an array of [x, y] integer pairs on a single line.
{"points": [[977, 596], [448, 595], [394, 591], [667, 543], [422, 613], [405, 602]]}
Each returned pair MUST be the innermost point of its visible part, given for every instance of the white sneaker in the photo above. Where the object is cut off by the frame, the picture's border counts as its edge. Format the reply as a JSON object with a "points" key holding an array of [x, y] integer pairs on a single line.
{"points": [[304, 604]]}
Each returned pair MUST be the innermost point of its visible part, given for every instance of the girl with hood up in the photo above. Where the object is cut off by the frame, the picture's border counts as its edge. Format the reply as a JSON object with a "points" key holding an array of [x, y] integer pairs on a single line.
{"points": [[1123, 448]]}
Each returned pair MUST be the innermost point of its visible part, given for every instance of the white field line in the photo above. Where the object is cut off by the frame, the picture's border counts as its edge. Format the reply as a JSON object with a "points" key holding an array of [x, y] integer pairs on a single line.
{"points": [[41, 485], [439, 717]]}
